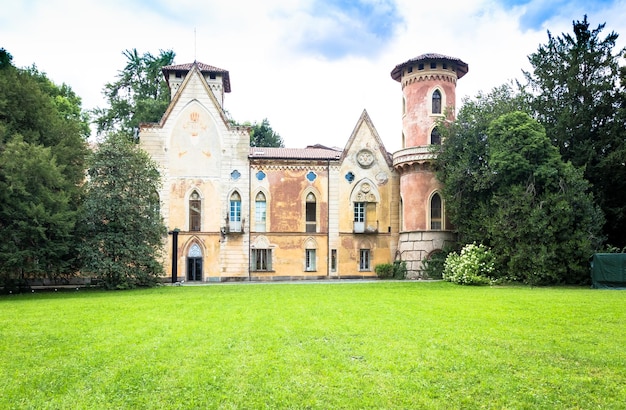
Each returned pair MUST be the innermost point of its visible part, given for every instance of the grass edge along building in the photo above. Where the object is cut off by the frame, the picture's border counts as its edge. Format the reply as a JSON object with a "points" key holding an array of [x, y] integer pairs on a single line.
{"points": [[252, 213]]}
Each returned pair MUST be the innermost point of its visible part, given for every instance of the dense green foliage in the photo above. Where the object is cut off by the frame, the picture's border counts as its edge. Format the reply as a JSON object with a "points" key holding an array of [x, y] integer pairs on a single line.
{"points": [[395, 270], [42, 152], [123, 228], [577, 96], [391, 345], [508, 188], [36, 213], [140, 94], [262, 135]]}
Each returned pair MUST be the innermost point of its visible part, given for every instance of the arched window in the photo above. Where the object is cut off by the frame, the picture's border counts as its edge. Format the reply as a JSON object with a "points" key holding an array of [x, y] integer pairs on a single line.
{"points": [[195, 211], [436, 108], [260, 212], [311, 213], [234, 217], [310, 257], [435, 137], [436, 222]]}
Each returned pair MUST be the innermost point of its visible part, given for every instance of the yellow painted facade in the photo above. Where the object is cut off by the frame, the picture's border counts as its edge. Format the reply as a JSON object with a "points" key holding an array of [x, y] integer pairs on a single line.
{"points": [[241, 213]]}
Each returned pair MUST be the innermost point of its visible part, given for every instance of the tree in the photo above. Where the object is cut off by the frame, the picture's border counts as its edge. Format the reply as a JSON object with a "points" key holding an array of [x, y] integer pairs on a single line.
{"points": [[574, 82], [139, 95], [507, 187], [37, 219], [123, 228], [462, 163], [43, 126], [543, 221], [262, 135]]}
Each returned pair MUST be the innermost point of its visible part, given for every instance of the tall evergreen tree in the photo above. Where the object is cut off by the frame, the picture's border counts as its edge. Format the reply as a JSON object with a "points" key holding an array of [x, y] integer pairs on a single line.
{"points": [[139, 95], [574, 82], [44, 125], [507, 187], [123, 228], [37, 220]]}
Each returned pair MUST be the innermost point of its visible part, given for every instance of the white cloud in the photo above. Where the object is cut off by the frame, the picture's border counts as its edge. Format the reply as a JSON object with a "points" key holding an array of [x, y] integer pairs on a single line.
{"points": [[306, 97]]}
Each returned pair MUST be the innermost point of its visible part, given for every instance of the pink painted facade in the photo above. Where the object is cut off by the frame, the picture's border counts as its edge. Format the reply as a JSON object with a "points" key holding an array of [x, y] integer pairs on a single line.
{"points": [[428, 96]]}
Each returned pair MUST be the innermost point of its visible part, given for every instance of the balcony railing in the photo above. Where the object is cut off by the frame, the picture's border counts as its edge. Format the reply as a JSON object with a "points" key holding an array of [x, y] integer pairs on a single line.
{"points": [[364, 227], [414, 154]]}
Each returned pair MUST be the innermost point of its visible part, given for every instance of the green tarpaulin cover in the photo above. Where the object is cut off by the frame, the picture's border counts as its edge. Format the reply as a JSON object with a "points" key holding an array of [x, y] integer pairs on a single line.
{"points": [[608, 270]]}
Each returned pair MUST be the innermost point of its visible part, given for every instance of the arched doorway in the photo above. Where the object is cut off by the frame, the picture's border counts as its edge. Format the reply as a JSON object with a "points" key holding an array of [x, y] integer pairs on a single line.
{"points": [[194, 263]]}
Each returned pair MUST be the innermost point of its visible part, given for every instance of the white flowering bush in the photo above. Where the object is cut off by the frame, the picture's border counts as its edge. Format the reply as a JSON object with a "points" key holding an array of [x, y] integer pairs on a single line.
{"points": [[473, 266]]}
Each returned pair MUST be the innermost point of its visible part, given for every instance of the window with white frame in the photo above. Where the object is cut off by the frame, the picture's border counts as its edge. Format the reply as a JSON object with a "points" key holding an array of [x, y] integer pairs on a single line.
{"points": [[364, 260], [261, 260], [359, 217], [260, 212], [310, 260], [365, 217], [234, 217]]}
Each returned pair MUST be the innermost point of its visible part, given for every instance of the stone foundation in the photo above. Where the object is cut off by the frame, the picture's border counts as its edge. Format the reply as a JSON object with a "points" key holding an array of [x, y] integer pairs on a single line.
{"points": [[415, 247]]}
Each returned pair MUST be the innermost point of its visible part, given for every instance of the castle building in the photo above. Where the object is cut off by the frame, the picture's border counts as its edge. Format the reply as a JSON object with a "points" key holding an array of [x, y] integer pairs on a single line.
{"points": [[237, 212]]}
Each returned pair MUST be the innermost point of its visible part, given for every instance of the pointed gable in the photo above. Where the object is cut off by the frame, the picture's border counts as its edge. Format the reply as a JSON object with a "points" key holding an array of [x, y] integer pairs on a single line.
{"points": [[195, 76], [365, 137]]}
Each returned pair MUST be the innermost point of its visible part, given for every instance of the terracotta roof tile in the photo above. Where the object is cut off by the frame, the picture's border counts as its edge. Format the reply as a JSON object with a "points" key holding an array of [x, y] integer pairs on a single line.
{"points": [[294, 153], [461, 67], [204, 68]]}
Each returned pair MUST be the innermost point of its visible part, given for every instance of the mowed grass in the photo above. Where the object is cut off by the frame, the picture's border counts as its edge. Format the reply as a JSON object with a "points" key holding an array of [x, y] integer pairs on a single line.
{"points": [[341, 345]]}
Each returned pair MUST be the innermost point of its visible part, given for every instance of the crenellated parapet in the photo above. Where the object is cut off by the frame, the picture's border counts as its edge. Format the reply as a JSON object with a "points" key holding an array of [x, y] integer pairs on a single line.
{"points": [[438, 77]]}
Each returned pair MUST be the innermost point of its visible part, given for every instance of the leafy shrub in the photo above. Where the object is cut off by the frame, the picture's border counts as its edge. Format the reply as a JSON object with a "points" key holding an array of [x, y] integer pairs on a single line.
{"points": [[433, 266], [384, 270], [397, 270], [473, 266]]}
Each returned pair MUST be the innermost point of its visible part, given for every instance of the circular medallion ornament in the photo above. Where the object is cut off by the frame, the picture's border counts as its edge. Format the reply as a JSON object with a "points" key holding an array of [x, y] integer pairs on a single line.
{"points": [[365, 158]]}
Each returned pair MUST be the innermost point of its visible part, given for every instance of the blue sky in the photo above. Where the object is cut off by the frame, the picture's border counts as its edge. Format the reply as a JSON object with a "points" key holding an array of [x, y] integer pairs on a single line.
{"points": [[309, 66], [537, 13]]}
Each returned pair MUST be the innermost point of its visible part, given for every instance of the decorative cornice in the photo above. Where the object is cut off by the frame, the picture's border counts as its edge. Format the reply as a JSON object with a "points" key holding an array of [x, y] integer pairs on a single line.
{"points": [[418, 77], [419, 154], [294, 167]]}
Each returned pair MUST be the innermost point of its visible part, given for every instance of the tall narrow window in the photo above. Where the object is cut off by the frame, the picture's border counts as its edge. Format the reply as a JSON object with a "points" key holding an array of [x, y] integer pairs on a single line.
{"points": [[333, 260], [436, 102], [435, 212], [364, 260], [235, 213], [435, 137], [359, 217], [195, 211], [261, 260], [310, 260], [260, 210], [311, 213]]}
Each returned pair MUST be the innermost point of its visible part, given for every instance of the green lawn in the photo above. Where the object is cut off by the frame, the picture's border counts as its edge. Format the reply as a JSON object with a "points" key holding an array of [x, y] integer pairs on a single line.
{"points": [[340, 345]]}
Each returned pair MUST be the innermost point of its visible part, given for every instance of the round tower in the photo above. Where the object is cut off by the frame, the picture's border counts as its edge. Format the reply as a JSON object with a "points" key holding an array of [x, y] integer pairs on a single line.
{"points": [[428, 95]]}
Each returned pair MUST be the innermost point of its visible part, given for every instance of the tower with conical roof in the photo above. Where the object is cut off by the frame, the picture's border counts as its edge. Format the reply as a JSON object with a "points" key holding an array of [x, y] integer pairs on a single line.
{"points": [[428, 95]]}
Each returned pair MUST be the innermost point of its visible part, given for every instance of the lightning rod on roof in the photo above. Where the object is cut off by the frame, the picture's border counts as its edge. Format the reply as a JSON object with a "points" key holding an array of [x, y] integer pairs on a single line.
{"points": [[195, 40]]}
